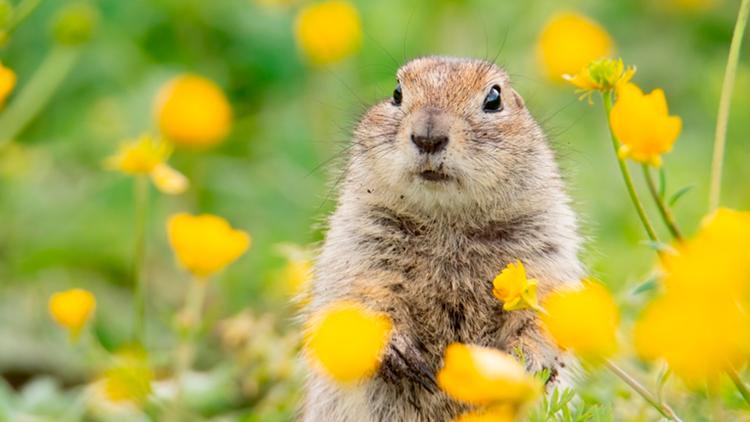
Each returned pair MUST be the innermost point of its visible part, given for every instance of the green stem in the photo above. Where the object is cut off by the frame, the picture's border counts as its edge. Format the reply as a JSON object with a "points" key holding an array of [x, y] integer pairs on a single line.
{"points": [[20, 13], [741, 386], [37, 92], [607, 101], [722, 119], [664, 210], [661, 407], [190, 316], [139, 258]]}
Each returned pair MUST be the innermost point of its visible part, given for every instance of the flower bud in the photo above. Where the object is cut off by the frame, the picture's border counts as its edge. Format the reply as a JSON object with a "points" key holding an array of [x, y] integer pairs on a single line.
{"points": [[75, 24]]}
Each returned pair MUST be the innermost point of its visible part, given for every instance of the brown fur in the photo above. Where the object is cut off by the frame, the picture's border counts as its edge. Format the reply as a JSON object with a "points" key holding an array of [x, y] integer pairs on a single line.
{"points": [[426, 252]]}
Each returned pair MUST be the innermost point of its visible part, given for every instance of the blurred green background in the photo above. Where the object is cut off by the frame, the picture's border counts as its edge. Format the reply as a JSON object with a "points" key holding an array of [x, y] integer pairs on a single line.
{"points": [[67, 222]]}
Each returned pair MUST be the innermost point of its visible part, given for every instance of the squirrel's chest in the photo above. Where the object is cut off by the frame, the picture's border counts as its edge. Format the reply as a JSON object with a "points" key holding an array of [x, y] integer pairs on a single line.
{"points": [[442, 284]]}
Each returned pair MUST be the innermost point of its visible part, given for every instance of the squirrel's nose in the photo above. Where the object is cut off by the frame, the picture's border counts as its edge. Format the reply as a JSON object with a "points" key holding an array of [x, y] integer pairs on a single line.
{"points": [[430, 130], [429, 144]]}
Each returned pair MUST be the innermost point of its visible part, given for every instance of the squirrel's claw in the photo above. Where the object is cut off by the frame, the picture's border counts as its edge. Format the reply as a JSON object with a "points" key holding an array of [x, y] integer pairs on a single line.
{"points": [[407, 364]]}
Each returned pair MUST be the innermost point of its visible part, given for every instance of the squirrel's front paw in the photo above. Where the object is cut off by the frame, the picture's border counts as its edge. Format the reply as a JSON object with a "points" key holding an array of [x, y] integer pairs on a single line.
{"points": [[403, 361]]}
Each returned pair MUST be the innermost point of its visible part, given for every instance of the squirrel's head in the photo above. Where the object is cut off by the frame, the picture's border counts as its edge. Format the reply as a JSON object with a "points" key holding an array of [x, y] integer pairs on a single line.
{"points": [[455, 134]]}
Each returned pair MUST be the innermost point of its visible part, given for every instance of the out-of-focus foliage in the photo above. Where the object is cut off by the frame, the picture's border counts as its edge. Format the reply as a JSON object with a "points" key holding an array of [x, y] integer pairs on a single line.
{"points": [[100, 68]]}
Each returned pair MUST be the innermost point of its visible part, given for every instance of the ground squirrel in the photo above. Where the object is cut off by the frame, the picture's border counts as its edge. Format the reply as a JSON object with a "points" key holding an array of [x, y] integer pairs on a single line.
{"points": [[447, 182]]}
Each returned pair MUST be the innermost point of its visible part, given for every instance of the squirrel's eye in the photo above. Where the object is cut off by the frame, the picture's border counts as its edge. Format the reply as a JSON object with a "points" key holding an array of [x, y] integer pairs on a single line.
{"points": [[397, 95], [492, 102]]}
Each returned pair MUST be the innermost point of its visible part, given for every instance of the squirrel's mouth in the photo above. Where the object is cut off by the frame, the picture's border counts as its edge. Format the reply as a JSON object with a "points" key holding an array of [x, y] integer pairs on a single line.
{"points": [[434, 176]]}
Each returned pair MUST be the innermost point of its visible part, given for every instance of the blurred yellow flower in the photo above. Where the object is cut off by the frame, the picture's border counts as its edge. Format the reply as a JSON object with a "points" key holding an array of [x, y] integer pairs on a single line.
{"points": [[7, 82], [205, 244], [297, 274], [513, 288], [701, 325], [484, 376], [642, 124], [72, 309], [698, 336], [140, 156], [147, 155], [583, 320], [569, 42], [347, 341], [192, 111], [328, 31], [493, 414], [716, 261], [601, 75], [129, 378]]}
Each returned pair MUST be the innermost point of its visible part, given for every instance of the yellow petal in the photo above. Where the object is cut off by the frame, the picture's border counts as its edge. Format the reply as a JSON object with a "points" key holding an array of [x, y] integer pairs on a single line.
{"points": [[205, 244], [482, 376], [569, 42], [169, 180], [583, 320], [346, 341], [698, 336], [7, 82], [641, 122], [139, 156], [328, 31], [71, 309], [498, 413], [193, 111]]}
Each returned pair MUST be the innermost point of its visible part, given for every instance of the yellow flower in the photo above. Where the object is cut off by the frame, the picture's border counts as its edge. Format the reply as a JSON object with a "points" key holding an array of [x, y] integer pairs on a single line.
{"points": [[701, 326], [569, 42], [129, 377], [483, 376], [192, 111], [601, 75], [140, 156], [7, 82], [72, 309], [205, 244], [329, 31], [147, 155], [493, 414], [714, 262], [513, 288], [698, 336], [347, 341], [642, 124], [583, 320]]}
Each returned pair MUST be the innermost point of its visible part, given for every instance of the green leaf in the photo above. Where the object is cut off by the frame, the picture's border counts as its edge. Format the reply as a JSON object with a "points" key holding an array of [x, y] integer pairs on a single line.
{"points": [[677, 195]]}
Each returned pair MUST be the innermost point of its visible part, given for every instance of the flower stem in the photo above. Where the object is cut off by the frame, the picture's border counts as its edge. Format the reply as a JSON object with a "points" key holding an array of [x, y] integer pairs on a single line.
{"points": [[37, 92], [661, 407], [722, 119], [741, 386], [21, 12], [607, 101], [189, 319], [664, 210], [139, 259]]}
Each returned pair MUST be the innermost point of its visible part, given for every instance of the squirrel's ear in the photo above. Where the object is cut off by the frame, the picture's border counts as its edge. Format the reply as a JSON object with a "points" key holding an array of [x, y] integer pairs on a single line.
{"points": [[517, 98]]}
